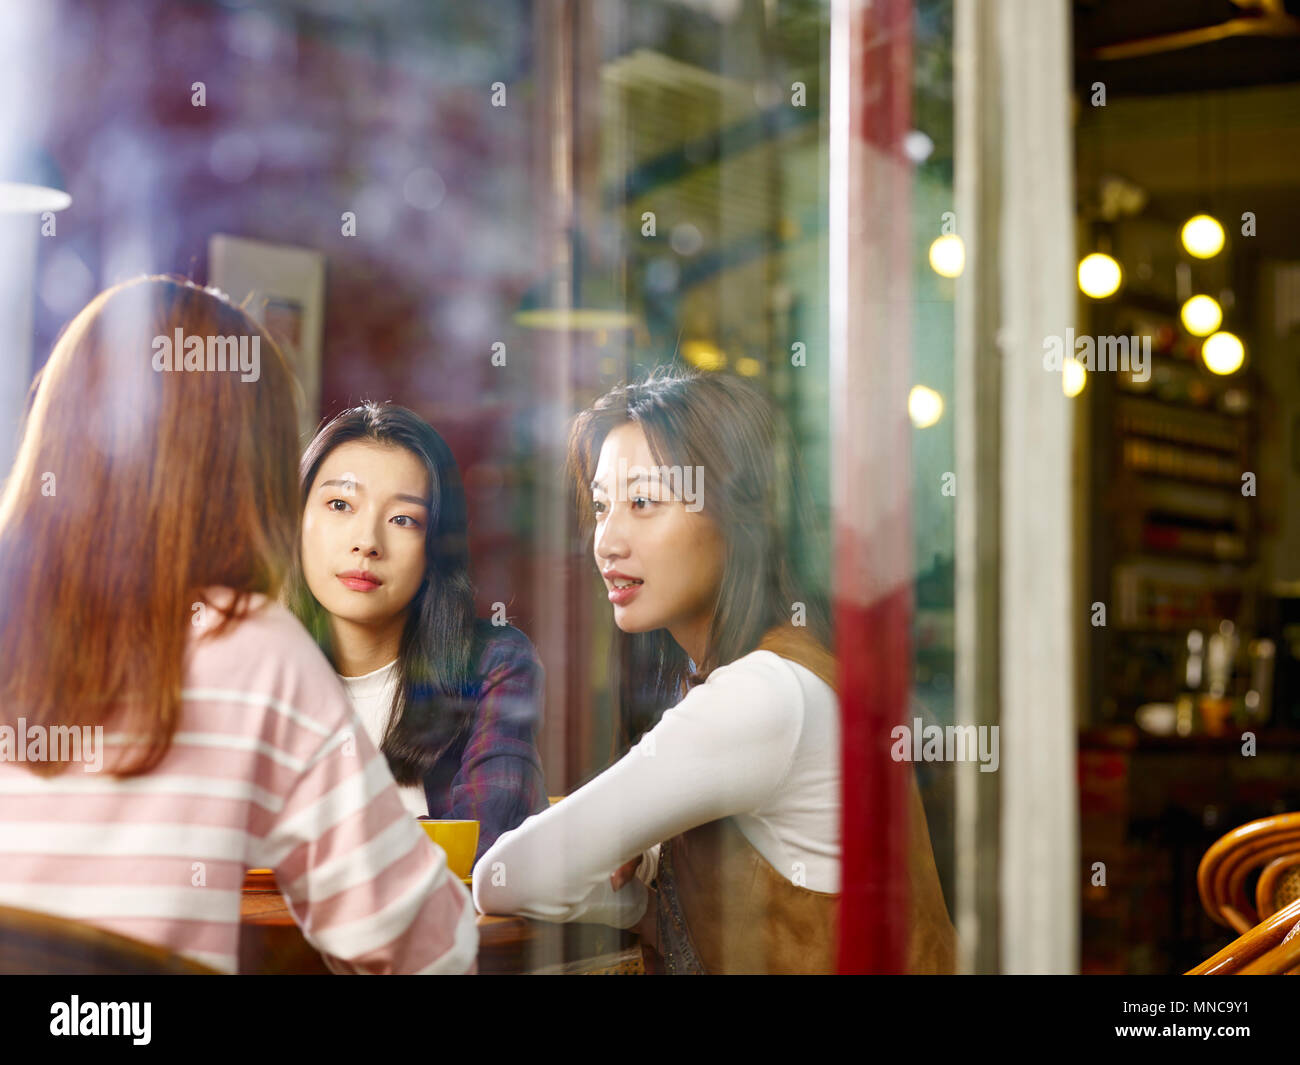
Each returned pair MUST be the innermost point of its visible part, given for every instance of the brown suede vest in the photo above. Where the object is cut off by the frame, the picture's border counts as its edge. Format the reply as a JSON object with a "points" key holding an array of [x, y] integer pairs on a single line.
{"points": [[722, 908]]}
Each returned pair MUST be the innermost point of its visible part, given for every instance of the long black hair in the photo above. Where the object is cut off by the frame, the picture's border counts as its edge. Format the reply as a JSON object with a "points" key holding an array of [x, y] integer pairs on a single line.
{"points": [[442, 638], [757, 497]]}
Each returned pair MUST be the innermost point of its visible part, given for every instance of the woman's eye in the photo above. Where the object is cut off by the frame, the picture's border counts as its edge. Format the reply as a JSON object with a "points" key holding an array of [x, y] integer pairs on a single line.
{"points": [[597, 506], [342, 505], [410, 523], [638, 500]]}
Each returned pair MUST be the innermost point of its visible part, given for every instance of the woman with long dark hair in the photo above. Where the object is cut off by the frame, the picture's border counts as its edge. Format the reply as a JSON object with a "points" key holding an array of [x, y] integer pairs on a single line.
{"points": [[730, 805], [384, 586], [175, 723]]}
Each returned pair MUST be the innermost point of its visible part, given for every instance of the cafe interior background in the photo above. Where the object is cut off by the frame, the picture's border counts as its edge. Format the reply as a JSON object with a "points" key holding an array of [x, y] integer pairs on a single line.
{"points": [[879, 213]]}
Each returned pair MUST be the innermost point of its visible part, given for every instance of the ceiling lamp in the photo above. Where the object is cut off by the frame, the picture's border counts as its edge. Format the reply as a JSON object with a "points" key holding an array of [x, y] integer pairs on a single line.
{"points": [[948, 255], [1202, 236], [1223, 353], [1201, 315], [924, 406], [1099, 275], [1074, 375], [30, 183]]}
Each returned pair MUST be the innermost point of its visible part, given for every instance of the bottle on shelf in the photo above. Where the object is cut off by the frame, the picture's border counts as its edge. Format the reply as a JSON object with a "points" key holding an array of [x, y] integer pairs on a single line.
{"points": [[1193, 671], [1216, 705], [1259, 698]]}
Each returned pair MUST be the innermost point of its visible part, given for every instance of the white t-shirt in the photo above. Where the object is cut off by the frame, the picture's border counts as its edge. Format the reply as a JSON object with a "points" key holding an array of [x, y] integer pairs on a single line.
{"points": [[758, 741], [372, 694]]}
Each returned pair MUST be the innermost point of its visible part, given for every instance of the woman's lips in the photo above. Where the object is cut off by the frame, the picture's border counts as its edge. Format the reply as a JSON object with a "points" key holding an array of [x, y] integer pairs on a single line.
{"points": [[359, 582], [623, 596]]}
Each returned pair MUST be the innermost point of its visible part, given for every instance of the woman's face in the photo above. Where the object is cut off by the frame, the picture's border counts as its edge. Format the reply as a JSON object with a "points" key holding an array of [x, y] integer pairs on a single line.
{"points": [[363, 531], [645, 534]]}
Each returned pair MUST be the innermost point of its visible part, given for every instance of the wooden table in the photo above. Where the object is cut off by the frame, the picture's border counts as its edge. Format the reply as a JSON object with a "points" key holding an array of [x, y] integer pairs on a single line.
{"points": [[270, 942]]}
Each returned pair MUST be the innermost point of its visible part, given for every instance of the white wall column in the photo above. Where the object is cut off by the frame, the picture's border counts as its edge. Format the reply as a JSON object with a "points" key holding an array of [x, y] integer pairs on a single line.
{"points": [[1015, 603]]}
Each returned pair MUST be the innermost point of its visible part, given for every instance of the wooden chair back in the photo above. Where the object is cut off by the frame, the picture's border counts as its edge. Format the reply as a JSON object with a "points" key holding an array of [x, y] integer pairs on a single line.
{"points": [[1271, 846], [1270, 948], [32, 942]]}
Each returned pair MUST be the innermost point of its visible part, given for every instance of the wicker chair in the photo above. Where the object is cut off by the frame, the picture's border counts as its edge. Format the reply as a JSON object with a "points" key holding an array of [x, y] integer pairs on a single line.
{"points": [[1270, 845], [1269, 927], [1270, 948]]}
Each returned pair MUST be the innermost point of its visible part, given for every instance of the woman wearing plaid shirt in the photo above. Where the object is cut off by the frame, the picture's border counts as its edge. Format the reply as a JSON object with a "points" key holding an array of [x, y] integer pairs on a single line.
{"points": [[383, 585]]}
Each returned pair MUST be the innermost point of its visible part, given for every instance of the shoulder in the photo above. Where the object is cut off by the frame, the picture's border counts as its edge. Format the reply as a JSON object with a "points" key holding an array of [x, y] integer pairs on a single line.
{"points": [[739, 731], [266, 653], [761, 689], [267, 623], [503, 648], [509, 679], [759, 668]]}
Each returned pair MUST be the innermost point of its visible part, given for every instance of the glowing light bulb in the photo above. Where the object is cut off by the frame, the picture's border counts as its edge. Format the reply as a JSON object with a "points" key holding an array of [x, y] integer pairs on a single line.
{"points": [[1099, 276], [1202, 236], [1201, 315], [1223, 353], [924, 406], [948, 256], [1074, 375]]}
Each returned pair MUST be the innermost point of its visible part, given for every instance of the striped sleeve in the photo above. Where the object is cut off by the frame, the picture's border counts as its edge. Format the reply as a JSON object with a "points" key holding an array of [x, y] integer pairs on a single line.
{"points": [[369, 889]]}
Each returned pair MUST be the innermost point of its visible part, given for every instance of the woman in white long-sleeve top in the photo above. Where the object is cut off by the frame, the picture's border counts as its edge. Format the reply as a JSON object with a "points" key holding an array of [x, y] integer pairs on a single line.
{"points": [[718, 835]]}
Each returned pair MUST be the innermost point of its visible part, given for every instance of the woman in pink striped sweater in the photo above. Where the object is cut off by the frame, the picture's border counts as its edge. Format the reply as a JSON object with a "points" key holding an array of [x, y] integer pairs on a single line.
{"points": [[165, 723]]}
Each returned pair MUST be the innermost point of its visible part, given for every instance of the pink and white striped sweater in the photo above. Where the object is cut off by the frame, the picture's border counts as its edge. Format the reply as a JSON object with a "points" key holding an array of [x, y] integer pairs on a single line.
{"points": [[270, 768]]}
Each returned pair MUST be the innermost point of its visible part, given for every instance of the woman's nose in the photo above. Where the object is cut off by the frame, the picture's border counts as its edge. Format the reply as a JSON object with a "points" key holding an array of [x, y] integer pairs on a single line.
{"points": [[610, 540], [367, 541]]}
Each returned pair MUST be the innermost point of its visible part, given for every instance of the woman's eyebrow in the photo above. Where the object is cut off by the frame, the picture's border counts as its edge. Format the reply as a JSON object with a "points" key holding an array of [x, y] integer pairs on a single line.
{"points": [[651, 476], [357, 486]]}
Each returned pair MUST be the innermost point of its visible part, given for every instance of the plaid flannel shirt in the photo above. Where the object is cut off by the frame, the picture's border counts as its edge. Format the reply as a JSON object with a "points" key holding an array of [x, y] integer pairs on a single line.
{"points": [[493, 774]]}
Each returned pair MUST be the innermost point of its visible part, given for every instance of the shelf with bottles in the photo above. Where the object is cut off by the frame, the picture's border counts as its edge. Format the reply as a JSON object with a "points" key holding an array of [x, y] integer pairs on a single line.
{"points": [[1212, 680], [1149, 418], [1175, 373], [1160, 306], [1175, 540], [1157, 499], [1191, 388], [1163, 324], [1217, 544], [1130, 737], [1152, 459], [1151, 528], [1177, 491], [1162, 593]]}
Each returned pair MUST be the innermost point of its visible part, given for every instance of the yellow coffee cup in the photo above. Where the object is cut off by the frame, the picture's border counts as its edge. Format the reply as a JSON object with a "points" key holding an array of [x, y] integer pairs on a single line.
{"points": [[459, 839]]}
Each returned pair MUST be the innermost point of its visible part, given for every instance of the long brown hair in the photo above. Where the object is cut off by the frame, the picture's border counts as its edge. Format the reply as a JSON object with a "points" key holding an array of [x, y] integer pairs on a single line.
{"points": [[134, 490], [754, 492]]}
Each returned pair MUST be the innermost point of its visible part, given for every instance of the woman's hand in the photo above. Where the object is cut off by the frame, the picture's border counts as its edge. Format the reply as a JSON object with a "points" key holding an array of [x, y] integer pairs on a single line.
{"points": [[646, 929], [625, 872]]}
